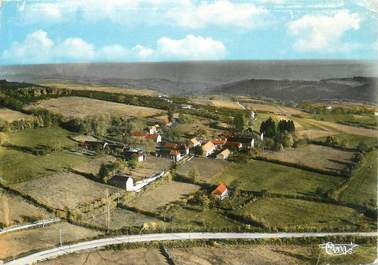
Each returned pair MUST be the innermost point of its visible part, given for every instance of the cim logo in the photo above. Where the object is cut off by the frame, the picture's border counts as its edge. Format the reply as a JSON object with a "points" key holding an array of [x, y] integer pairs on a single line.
{"points": [[338, 249]]}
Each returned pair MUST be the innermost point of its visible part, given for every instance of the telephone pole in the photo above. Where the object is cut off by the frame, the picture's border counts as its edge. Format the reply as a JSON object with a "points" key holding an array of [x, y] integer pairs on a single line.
{"points": [[107, 209], [60, 237]]}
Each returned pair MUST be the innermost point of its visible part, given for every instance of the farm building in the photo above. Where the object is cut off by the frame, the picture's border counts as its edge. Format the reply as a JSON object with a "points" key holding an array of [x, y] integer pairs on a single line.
{"points": [[175, 155], [224, 154], [247, 141], [208, 148], [153, 129], [176, 152], [127, 182], [123, 182], [139, 155], [221, 191], [234, 145], [194, 142], [219, 143], [140, 134]]}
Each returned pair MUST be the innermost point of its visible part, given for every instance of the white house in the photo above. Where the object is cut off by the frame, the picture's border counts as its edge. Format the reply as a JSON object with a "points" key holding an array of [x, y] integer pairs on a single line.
{"points": [[208, 148]]}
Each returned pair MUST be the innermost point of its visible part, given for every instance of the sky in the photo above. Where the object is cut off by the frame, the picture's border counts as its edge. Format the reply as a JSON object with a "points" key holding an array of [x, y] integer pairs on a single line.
{"points": [[69, 31]]}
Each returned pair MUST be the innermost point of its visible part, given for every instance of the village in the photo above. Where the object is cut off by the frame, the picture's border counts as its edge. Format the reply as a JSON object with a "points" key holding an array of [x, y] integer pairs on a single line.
{"points": [[90, 164]]}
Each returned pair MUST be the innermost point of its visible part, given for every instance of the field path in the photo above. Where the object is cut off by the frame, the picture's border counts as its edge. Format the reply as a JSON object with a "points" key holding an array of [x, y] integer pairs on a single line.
{"points": [[100, 243]]}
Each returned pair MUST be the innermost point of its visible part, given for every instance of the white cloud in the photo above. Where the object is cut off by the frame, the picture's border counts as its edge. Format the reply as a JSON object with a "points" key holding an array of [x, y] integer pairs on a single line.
{"points": [[185, 13], [191, 47], [322, 32], [114, 52], [219, 13], [37, 47], [143, 52], [74, 48]]}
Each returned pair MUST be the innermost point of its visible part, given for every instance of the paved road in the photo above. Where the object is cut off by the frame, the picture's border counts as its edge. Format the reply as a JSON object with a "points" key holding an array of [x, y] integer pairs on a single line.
{"points": [[99, 243], [27, 226]]}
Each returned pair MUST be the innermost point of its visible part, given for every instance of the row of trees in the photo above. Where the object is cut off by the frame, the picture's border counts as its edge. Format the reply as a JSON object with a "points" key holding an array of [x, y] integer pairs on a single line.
{"points": [[278, 135], [271, 129]]}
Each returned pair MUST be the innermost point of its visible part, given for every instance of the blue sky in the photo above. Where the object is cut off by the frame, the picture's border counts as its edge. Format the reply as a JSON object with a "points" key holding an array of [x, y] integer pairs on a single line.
{"points": [[45, 31]]}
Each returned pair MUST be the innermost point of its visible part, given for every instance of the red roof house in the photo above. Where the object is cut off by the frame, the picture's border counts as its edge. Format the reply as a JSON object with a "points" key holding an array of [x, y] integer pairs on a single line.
{"points": [[221, 191]]}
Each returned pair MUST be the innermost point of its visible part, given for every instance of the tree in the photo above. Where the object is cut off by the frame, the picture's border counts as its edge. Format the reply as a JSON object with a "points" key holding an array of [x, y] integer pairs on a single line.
{"points": [[198, 150], [170, 115], [193, 175], [239, 122], [109, 169], [268, 127]]}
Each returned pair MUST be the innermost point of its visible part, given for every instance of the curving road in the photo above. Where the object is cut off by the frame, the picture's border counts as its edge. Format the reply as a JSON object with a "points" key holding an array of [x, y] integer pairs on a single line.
{"points": [[99, 243], [28, 226]]}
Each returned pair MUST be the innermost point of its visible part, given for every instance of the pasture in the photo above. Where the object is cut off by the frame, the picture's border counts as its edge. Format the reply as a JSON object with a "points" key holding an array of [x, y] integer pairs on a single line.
{"points": [[204, 168], [50, 136], [151, 166], [64, 190], [260, 175], [16, 210], [218, 102], [119, 218], [197, 218], [314, 156], [80, 107], [154, 199], [93, 167], [299, 214], [362, 186], [101, 88], [16, 243], [10, 116], [17, 166]]}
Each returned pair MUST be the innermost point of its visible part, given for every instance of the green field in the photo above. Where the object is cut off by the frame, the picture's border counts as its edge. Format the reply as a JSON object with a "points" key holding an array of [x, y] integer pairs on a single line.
{"points": [[259, 175], [197, 218], [297, 214], [353, 141], [19, 164], [362, 187], [41, 136], [363, 120]]}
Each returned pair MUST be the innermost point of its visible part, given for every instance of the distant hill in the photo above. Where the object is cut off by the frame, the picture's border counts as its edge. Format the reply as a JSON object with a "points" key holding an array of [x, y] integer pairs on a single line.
{"points": [[282, 80], [355, 89]]}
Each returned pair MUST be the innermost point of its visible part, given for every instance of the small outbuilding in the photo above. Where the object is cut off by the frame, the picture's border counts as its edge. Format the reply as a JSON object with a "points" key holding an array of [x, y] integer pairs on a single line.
{"points": [[225, 154]]}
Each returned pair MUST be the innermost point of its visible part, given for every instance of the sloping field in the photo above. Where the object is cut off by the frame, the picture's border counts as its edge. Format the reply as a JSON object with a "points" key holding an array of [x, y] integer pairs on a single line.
{"points": [[120, 218], [315, 156], [139, 256], [64, 189], [152, 199], [362, 187], [93, 166], [16, 210], [283, 212], [16, 243], [102, 88], [219, 103], [151, 166], [314, 133], [80, 107], [17, 166], [342, 128], [272, 108], [260, 175], [205, 168], [11, 115]]}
